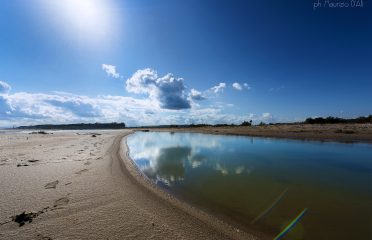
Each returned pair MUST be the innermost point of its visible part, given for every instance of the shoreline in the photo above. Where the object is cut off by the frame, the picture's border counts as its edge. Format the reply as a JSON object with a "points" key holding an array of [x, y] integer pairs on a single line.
{"points": [[230, 227], [217, 223], [75, 186], [342, 133], [74, 181]]}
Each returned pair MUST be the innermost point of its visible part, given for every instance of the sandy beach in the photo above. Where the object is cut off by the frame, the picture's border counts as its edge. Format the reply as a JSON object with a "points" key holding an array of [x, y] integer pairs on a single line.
{"points": [[80, 185], [75, 188]]}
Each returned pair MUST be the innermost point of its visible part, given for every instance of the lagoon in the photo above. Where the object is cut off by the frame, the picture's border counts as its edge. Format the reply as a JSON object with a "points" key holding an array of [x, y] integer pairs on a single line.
{"points": [[262, 184]]}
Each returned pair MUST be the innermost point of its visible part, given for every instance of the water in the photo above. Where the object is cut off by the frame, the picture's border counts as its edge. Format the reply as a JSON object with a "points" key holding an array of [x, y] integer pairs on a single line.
{"points": [[262, 184]]}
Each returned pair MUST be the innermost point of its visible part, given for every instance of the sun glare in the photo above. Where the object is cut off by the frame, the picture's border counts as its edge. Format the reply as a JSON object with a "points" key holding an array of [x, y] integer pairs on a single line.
{"points": [[90, 21]]}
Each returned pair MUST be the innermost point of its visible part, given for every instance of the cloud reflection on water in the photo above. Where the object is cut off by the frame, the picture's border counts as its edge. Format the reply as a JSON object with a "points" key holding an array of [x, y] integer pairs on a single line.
{"points": [[165, 157]]}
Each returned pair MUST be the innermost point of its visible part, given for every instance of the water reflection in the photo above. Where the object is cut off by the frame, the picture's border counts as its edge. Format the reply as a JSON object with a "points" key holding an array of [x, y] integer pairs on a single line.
{"points": [[169, 166], [265, 184], [165, 157]]}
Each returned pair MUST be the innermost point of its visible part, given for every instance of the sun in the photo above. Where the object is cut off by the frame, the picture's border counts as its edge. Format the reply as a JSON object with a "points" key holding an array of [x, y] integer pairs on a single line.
{"points": [[90, 21]]}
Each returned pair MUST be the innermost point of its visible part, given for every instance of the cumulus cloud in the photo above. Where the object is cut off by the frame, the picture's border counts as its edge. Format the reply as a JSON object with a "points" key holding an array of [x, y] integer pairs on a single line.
{"points": [[196, 95], [4, 107], [110, 70], [216, 115], [168, 91], [164, 95], [4, 88], [239, 87], [267, 117], [219, 88], [34, 108], [38, 108]]}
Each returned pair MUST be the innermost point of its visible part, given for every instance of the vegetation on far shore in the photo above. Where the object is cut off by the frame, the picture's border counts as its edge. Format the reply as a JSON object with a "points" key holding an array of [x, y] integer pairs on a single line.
{"points": [[332, 120], [76, 126], [114, 125]]}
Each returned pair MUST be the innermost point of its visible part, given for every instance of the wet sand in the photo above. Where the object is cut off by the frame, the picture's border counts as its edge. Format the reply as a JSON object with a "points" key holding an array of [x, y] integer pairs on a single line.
{"points": [[70, 185]]}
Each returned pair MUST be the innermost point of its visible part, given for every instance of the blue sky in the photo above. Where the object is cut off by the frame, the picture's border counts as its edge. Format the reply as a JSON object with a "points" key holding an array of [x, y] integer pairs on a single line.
{"points": [[159, 62]]}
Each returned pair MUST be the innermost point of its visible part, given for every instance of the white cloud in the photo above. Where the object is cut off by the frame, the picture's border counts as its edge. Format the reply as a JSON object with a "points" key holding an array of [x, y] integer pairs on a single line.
{"points": [[196, 95], [168, 91], [110, 70], [141, 80], [165, 94], [219, 88], [38, 108], [33, 108], [239, 87], [267, 117], [4, 88]]}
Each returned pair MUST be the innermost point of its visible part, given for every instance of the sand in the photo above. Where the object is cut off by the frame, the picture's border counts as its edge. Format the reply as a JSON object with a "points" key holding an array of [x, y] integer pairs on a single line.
{"points": [[346, 133], [71, 185], [79, 189]]}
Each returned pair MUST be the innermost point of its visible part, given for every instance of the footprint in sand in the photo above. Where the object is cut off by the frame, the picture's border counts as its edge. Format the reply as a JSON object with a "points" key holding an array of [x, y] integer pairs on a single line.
{"points": [[24, 217], [32, 160], [42, 237], [81, 171], [22, 165], [51, 185], [61, 202]]}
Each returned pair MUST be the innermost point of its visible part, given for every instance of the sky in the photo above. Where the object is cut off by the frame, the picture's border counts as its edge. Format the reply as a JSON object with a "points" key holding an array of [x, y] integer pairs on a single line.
{"points": [[146, 62]]}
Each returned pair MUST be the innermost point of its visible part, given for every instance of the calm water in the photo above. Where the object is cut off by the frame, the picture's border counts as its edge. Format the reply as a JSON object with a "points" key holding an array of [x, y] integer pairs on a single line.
{"points": [[263, 184]]}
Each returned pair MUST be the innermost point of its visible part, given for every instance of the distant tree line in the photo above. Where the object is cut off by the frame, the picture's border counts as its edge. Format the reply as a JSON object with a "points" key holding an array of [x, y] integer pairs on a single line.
{"points": [[319, 120], [114, 125], [188, 125], [329, 120], [246, 123], [76, 126], [192, 125]]}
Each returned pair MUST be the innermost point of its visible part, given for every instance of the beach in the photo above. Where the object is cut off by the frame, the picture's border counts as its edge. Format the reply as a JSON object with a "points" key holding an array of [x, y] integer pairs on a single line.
{"points": [[75, 188], [82, 185]]}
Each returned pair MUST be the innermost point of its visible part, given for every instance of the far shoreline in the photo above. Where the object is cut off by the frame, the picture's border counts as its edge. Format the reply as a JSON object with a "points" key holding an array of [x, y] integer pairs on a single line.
{"points": [[341, 133]]}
